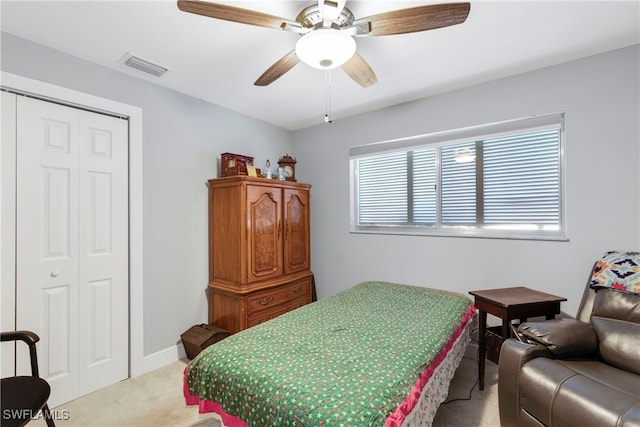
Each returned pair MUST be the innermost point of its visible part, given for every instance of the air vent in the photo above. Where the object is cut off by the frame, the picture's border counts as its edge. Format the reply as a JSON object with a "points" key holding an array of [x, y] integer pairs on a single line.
{"points": [[142, 65]]}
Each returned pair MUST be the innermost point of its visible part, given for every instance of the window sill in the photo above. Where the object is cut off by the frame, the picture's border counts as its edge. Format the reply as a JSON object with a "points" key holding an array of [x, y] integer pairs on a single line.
{"points": [[558, 236]]}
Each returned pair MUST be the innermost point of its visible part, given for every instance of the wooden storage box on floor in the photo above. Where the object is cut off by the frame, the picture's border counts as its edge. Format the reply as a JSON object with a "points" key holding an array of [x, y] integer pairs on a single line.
{"points": [[198, 337]]}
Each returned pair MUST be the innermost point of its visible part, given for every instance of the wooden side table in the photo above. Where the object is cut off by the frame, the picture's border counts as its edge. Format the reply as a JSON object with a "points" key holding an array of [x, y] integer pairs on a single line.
{"points": [[509, 304]]}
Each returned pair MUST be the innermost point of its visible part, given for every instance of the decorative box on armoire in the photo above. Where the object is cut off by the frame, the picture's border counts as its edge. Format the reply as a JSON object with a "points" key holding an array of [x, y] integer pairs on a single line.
{"points": [[259, 250]]}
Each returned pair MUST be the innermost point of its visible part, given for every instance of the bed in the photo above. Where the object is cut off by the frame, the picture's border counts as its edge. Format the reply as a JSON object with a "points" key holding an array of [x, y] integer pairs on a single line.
{"points": [[377, 354]]}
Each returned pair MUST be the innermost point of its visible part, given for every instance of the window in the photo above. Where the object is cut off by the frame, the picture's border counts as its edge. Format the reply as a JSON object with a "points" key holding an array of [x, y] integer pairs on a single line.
{"points": [[498, 180]]}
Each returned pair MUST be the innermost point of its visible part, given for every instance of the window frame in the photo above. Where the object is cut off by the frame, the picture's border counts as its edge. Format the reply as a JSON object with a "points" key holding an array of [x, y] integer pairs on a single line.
{"points": [[458, 136]]}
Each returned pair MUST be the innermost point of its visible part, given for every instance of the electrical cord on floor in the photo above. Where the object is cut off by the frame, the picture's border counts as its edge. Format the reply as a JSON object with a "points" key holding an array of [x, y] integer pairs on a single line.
{"points": [[446, 402]]}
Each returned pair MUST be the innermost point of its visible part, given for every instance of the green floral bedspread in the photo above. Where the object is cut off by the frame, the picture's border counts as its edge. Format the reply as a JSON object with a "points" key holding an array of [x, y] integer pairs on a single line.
{"points": [[346, 360]]}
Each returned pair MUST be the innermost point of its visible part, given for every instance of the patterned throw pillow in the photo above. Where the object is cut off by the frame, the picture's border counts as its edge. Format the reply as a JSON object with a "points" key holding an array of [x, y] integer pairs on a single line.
{"points": [[617, 270]]}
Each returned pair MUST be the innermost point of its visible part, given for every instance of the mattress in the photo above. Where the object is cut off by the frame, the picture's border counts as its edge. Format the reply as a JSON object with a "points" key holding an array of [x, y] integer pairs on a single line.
{"points": [[376, 354]]}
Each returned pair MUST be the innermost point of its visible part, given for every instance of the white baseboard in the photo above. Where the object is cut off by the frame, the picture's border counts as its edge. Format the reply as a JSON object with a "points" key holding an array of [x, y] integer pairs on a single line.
{"points": [[163, 357]]}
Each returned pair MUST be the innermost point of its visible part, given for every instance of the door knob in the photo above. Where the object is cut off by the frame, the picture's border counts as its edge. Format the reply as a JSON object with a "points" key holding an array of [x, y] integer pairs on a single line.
{"points": [[55, 273]]}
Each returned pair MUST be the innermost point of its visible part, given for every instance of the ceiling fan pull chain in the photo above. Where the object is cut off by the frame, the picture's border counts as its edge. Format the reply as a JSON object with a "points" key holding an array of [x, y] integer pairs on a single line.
{"points": [[327, 105]]}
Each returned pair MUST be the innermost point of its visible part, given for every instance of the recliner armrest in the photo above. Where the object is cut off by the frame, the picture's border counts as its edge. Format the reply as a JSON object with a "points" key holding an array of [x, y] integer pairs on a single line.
{"points": [[562, 337], [513, 355]]}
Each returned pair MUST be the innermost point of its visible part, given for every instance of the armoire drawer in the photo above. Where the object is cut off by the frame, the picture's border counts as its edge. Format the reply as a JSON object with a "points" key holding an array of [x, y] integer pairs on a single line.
{"points": [[263, 316], [281, 295]]}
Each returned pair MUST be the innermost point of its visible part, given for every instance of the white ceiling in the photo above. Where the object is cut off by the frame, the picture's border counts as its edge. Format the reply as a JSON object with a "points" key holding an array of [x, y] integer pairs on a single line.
{"points": [[218, 61]]}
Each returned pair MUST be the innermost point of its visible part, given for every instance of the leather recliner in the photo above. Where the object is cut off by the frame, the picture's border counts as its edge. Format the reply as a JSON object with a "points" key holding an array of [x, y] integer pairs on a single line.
{"points": [[582, 371]]}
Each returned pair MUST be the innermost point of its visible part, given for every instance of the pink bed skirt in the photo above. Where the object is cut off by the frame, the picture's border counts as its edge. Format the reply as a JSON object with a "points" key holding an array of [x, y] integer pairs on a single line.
{"points": [[207, 406], [394, 420], [397, 417]]}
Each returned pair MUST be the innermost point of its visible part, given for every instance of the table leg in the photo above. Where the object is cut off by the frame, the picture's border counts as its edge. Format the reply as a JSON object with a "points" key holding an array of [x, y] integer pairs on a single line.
{"points": [[506, 330], [482, 341]]}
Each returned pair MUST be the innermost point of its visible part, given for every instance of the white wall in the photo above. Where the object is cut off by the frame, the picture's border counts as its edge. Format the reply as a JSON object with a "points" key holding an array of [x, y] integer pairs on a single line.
{"points": [[183, 138], [600, 96]]}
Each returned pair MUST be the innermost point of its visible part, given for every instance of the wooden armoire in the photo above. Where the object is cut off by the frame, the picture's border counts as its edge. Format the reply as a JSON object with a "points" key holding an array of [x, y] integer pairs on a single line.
{"points": [[259, 250]]}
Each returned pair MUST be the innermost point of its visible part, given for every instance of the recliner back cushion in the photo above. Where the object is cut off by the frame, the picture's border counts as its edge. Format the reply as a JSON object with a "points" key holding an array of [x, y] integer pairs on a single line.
{"points": [[616, 319]]}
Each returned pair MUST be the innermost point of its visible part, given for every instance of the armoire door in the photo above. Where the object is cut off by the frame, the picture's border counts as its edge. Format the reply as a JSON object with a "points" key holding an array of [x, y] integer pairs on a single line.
{"points": [[265, 234], [297, 231], [72, 244]]}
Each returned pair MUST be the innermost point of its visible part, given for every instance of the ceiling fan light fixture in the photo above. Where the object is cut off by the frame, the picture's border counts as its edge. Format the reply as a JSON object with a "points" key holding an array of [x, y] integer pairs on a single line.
{"points": [[325, 48]]}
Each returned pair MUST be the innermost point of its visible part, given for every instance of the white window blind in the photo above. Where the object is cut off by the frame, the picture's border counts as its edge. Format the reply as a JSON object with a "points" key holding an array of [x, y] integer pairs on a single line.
{"points": [[424, 187], [382, 189], [506, 181], [458, 185], [522, 179]]}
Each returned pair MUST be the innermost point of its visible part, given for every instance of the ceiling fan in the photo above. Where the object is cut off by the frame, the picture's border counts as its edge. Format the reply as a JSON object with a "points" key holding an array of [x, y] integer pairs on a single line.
{"points": [[328, 29]]}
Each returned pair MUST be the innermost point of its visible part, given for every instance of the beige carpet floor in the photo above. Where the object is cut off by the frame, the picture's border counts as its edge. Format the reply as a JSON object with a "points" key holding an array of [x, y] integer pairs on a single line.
{"points": [[155, 399]]}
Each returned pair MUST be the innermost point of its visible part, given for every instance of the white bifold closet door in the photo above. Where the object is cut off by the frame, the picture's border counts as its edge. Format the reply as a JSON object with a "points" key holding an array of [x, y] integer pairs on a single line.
{"points": [[72, 262]]}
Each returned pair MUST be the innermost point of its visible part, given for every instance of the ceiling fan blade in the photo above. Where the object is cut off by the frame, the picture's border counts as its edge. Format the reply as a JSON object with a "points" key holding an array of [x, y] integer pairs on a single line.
{"points": [[278, 69], [360, 71], [414, 19], [236, 14]]}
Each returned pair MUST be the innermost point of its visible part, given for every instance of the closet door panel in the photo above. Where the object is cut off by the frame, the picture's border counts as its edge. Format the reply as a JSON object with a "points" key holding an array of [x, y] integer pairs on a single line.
{"points": [[72, 244], [46, 243], [103, 250], [7, 227]]}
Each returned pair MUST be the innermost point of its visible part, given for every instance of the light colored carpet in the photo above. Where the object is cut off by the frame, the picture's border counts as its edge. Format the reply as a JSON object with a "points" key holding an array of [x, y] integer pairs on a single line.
{"points": [[481, 409], [155, 399]]}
